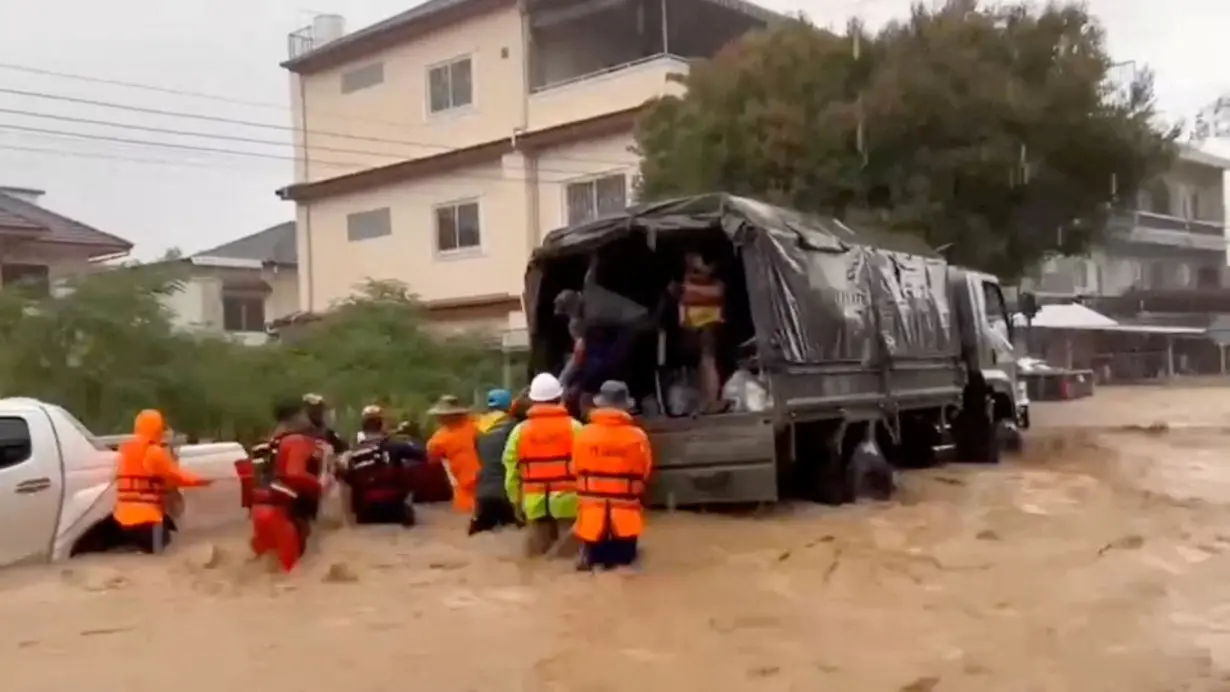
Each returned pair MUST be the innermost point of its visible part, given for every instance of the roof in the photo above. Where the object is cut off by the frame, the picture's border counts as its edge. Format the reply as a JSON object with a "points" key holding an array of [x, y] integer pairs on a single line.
{"points": [[1192, 154], [48, 226], [453, 159], [738, 216], [429, 16], [434, 15], [274, 245]]}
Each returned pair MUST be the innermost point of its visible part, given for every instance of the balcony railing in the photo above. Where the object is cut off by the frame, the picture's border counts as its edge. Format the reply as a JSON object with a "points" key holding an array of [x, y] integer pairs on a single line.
{"points": [[1169, 231], [1174, 223], [607, 90]]}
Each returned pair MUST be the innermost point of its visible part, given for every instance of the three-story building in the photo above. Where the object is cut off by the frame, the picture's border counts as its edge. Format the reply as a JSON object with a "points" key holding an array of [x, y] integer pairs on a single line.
{"points": [[438, 146], [1172, 238]]}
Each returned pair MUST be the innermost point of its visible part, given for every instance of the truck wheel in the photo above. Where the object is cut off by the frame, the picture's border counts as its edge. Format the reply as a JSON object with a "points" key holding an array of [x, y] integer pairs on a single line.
{"points": [[1008, 437], [976, 440], [831, 484]]}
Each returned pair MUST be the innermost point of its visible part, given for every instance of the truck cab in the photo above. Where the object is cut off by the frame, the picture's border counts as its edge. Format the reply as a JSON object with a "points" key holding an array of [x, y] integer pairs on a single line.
{"points": [[987, 341]]}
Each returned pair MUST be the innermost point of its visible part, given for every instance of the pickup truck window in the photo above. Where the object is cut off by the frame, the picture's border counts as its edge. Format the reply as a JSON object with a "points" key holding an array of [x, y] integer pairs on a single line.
{"points": [[80, 427], [15, 443]]}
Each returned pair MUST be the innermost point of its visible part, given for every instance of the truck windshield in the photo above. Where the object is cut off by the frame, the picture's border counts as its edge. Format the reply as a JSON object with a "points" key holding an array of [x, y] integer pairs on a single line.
{"points": [[85, 432]]}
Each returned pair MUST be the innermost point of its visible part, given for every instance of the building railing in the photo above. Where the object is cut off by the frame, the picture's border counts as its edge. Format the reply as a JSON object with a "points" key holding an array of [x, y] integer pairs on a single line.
{"points": [[612, 69], [1166, 222]]}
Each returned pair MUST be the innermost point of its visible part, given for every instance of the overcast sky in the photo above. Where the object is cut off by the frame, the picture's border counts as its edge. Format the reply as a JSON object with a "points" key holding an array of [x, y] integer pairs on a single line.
{"points": [[231, 48]]}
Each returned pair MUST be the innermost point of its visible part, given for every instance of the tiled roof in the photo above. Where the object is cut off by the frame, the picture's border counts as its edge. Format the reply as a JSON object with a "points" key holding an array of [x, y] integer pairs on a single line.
{"points": [[274, 245], [18, 214]]}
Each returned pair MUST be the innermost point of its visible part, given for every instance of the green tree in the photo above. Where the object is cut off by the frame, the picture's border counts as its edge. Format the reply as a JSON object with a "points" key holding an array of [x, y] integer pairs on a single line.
{"points": [[991, 129], [108, 348]]}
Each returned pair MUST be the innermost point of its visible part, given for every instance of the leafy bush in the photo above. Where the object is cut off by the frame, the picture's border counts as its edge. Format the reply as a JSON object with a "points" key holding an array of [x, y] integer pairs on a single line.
{"points": [[108, 347]]}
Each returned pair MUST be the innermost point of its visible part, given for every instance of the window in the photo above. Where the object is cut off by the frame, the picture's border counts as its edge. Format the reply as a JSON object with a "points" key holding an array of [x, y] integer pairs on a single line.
{"points": [[457, 227], [594, 198], [243, 312], [363, 77], [15, 443], [450, 86], [365, 225], [33, 277]]}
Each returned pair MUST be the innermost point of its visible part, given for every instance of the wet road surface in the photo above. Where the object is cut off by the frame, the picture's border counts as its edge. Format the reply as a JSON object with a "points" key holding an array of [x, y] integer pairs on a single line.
{"points": [[1097, 561]]}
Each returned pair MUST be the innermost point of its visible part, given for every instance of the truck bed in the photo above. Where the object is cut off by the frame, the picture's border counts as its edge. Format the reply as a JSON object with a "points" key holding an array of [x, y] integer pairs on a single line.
{"points": [[715, 459]]}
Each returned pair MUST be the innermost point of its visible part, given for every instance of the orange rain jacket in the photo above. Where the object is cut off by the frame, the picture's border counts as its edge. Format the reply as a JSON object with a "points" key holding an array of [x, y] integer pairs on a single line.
{"points": [[456, 443], [145, 473], [611, 459]]}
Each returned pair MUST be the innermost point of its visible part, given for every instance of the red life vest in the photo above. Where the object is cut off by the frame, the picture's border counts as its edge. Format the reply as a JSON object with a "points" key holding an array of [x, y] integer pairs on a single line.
{"points": [[270, 485]]}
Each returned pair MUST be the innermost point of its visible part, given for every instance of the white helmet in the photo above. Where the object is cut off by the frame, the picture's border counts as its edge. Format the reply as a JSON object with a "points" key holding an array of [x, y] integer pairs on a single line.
{"points": [[545, 387]]}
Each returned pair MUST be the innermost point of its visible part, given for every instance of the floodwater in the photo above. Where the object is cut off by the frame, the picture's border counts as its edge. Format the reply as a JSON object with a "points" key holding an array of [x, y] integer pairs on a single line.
{"points": [[1097, 561]]}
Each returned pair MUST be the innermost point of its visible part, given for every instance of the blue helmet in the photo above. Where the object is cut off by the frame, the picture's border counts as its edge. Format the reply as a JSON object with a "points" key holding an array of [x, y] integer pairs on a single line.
{"points": [[499, 400]]}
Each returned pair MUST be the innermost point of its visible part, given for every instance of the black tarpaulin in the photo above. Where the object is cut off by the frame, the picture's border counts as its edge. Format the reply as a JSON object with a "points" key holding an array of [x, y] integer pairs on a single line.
{"points": [[822, 291]]}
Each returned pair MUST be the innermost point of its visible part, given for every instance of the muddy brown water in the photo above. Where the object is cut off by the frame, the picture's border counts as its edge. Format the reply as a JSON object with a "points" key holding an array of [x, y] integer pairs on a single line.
{"points": [[1096, 561]]}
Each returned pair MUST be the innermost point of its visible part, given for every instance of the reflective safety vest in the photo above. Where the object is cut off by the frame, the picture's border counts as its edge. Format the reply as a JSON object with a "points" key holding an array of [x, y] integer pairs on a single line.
{"points": [[544, 455], [607, 478], [135, 484]]}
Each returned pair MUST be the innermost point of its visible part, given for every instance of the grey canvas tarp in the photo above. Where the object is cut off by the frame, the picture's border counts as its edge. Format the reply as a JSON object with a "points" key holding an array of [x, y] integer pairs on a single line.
{"points": [[822, 291]]}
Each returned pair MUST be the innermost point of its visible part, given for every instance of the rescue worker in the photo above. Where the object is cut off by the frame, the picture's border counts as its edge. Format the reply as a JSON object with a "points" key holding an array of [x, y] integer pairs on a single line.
{"points": [[317, 410], [499, 403], [454, 445], [146, 480], [537, 466], [611, 459], [492, 509], [377, 473], [287, 486]]}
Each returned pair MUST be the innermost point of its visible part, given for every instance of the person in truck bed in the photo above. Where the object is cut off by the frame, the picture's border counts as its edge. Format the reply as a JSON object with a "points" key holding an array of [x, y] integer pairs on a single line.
{"points": [[702, 300]]}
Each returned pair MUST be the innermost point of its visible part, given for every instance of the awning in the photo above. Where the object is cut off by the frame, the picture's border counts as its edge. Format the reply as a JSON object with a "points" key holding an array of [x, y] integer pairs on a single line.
{"points": [[1076, 317], [1069, 316]]}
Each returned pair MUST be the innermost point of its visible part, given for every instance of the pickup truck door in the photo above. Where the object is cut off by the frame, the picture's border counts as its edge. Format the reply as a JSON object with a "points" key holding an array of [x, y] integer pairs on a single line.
{"points": [[31, 485]]}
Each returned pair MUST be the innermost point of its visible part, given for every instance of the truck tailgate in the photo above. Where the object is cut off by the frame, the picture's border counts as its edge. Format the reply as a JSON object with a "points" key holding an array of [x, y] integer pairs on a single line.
{"points": [[725, 458]]}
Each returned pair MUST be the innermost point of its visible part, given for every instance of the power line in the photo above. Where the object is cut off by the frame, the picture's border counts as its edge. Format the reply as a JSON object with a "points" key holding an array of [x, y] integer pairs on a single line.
{"points": [[230, 138], [250, 123], [253, 154], [170, 145], [108, 157], [243, 102]]}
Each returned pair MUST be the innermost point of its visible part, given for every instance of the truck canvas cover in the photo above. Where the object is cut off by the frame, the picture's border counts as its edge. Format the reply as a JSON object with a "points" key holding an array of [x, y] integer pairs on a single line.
{"points": [[823, 292]]}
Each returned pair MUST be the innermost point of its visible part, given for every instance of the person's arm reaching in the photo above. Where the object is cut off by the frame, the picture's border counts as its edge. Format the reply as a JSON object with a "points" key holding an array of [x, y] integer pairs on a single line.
{"points": [[512, 469], [573, 364], [405, 453], [160, 461]]}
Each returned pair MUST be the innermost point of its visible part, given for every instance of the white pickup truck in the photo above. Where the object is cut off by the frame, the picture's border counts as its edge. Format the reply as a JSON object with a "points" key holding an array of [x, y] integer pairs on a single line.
{"points": [[57, 483]]}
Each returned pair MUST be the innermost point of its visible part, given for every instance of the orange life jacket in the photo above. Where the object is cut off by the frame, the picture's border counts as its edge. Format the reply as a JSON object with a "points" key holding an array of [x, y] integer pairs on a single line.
{"points": [[612, 463], [544, 450], [136, 484]]}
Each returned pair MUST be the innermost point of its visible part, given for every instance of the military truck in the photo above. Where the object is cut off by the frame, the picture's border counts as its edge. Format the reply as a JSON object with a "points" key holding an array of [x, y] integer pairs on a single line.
{"points": [[861, 336]]}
